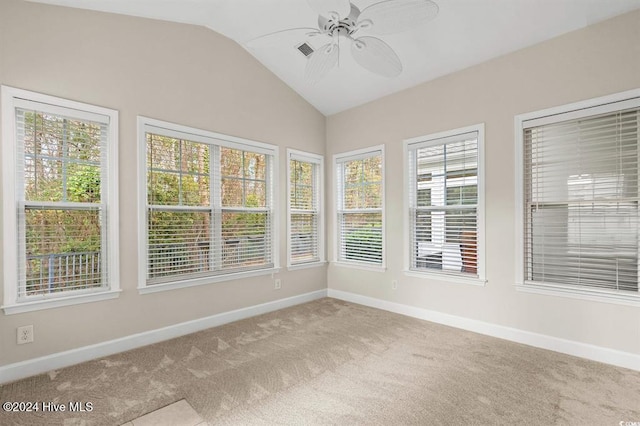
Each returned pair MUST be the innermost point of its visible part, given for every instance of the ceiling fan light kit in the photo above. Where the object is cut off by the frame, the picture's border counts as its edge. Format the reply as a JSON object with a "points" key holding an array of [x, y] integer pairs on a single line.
{"points": [[341, 19]]}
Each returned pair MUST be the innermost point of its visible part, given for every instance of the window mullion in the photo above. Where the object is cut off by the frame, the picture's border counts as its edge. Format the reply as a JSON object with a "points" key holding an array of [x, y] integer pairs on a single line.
{"points": [[180, 171], [269, 225], [215, 188], [64, 156], [243, 179]]}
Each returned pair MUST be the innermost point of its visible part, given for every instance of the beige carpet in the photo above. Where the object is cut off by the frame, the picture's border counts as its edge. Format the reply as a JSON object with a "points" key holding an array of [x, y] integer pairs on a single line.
{"points": [[332, 362], [177, 414]]}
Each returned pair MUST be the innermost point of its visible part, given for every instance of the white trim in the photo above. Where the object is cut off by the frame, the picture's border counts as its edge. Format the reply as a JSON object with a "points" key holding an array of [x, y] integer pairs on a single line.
{"points": [[194, 282], [441, 138], [359, 265], [74, 299], [142, 201], [274, 188], [318, 160], [53, 107], [340, 158], [12, 98], [519, 199], [600, 104], [443, 276], [10, 222], [54, 101], [308, 265], [23, 369], [437, 139], [569, 347], [580, 294], [406, 225], [206, 136], [310, 157], [112, 239], [583, 108], [359, 154], [481, 240]]}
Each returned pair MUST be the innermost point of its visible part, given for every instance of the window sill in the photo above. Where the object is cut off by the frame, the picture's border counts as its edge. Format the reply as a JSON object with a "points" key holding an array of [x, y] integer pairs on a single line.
{"points": [[37, 305], [155, 288], [297, 266], [579, 293], [374, 268], [457, 279]]}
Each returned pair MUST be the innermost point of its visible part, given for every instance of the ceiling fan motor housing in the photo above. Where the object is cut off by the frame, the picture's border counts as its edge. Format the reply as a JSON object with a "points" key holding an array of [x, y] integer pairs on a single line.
{"points": [[335, 26]]}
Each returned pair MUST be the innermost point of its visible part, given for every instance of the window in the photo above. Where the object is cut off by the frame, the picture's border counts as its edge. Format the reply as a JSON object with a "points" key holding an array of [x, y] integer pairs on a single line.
{"points": [[60, 179], [305, 206], [360, 207], [208, 206], [445, 203], [579, 177]]}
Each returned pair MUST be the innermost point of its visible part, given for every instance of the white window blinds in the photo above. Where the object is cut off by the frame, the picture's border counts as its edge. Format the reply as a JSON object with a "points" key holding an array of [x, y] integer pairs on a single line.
{"points": [[443, 204], [209, 207], [581, 199], [62, 194], [246, 199], [305, 180], [360, 207], [179, 218]]}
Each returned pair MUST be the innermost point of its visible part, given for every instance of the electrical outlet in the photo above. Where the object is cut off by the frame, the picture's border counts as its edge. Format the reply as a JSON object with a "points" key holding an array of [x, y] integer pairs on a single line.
{"points": [[25, 334], [394, 284], [277, 284]]}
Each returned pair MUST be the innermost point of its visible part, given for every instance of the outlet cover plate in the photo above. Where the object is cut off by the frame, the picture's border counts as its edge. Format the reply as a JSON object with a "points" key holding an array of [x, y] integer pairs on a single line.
{"points": [[25, 334]]}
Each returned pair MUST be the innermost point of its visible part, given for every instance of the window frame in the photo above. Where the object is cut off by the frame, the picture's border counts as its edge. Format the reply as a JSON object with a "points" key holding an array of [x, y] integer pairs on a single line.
{"points": [[318, 163], [178, 131], [585, 108], [337, 204], [437, 139], [11, 98]]}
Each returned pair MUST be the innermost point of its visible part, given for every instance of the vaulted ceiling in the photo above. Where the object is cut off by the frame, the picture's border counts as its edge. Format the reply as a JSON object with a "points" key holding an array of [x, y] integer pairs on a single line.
{"points": [[464, 33]]}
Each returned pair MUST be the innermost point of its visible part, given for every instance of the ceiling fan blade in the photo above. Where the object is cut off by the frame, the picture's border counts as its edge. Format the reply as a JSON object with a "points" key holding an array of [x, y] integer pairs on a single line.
{"points": [[320, 62], [325, 7], [283, 37], [394, 16], [376, 56]]}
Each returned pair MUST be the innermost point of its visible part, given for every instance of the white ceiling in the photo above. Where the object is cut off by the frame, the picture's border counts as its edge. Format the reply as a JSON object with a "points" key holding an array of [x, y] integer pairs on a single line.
{"points": [[464, 33]]}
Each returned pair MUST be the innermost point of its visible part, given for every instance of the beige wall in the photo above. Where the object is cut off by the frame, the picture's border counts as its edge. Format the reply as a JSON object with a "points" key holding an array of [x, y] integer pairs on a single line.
{"points": [[179, 73], [193, 76], [592, 62]]}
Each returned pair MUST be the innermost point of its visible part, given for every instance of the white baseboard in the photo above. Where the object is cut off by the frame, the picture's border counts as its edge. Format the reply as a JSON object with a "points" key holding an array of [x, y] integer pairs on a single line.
{"points": [[20, 370], [570, 347]]}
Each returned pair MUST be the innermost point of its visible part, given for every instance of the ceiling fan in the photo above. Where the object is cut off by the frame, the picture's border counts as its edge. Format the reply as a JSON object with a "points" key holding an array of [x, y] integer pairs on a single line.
{"points": [[342, 20]]}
